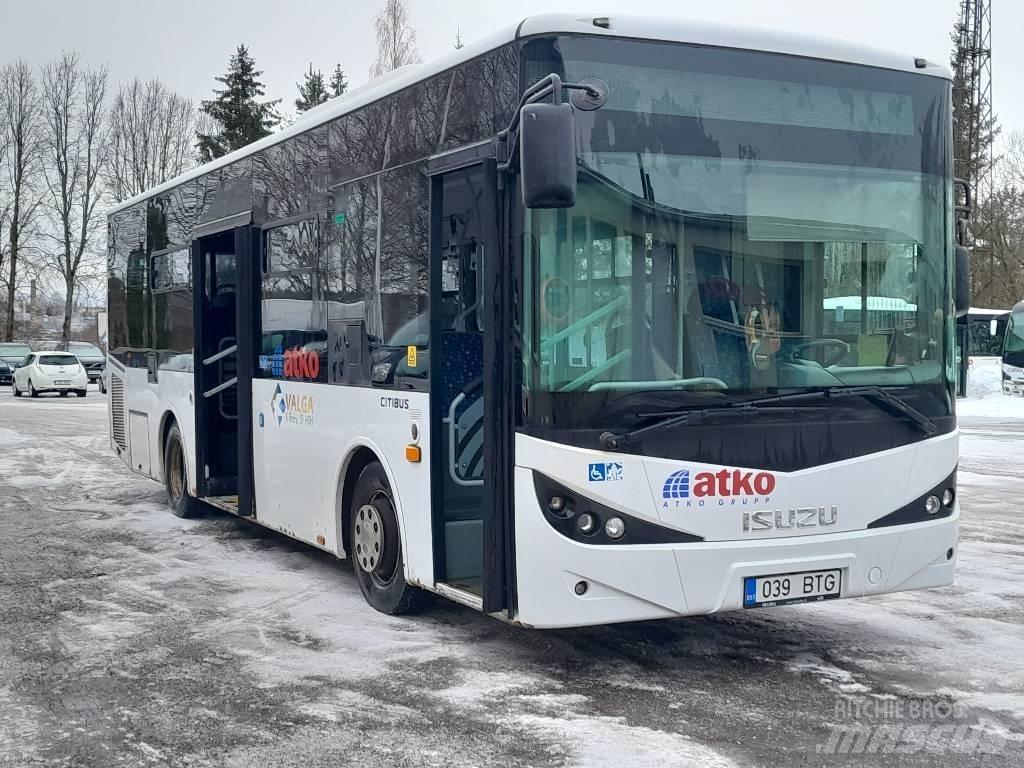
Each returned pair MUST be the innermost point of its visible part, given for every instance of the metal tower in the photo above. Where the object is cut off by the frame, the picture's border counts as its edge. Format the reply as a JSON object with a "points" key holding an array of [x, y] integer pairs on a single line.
{"points": [[972, 96]]}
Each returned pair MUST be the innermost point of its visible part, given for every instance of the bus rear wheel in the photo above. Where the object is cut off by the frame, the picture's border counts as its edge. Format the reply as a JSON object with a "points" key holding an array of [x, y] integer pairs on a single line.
{"points": [[375, 545], [181, 502]]}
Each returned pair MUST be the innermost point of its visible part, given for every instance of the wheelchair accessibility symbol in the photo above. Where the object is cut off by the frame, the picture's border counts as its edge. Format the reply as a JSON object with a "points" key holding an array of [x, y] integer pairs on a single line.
{"points": [[605, 471]]}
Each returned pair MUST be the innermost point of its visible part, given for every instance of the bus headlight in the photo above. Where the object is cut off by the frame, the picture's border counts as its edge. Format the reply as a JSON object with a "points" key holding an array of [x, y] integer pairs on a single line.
{"points": [[615, 528], [586, 523], [932, 504], [947, 497]]}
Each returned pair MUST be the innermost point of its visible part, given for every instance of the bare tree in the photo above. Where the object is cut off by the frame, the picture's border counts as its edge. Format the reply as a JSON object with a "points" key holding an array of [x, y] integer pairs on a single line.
{"points": [[5, 207], [396, 47], [396, 39], [152, 134], [73, 105], [22, 126], [999, 222]]}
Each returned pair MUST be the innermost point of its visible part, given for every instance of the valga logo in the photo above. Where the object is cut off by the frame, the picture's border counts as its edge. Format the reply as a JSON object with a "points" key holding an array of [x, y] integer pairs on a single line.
{"points": [[301, 364], [292, 408], [727, 486]]}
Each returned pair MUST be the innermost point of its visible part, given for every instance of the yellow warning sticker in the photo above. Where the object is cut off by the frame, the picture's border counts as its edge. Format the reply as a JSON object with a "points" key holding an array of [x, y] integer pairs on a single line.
{"points": [[410, 355]]}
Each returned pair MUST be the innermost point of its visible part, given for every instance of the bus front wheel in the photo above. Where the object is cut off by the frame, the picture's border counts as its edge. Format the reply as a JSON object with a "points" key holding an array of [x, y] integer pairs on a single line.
{"points": [[375, 545], [181, 502]]}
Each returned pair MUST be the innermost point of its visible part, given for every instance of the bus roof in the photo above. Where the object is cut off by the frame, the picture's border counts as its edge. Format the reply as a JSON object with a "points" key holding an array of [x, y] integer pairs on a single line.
{"points": [[638, 27], [979, 311]]}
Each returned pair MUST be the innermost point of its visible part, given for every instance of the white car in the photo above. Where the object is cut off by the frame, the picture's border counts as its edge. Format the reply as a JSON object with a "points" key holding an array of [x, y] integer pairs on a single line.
{"points": [[50, 372]]}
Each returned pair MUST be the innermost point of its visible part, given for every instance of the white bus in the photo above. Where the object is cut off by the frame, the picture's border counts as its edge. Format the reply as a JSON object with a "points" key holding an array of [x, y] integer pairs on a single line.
{"points": [[547, 326]]}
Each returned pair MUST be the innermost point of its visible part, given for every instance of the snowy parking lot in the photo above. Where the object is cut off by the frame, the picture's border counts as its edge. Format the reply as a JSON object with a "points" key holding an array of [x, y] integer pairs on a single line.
{"points": [[130, 637]]}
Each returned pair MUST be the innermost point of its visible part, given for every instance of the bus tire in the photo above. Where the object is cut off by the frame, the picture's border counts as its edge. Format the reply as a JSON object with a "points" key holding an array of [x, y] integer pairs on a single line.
{"points": [[181, 502], [376, 544]]}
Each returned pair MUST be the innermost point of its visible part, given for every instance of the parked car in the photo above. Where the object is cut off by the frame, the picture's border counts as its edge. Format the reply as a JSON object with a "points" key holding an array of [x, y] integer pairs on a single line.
{"points": [[52, 371], [11, 355], [13, 352], [89, 355]]}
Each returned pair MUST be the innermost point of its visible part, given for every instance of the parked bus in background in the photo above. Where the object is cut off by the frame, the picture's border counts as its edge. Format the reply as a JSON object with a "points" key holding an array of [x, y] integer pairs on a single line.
{"points": [[1013, 352], [979, 342], [560, 325]]}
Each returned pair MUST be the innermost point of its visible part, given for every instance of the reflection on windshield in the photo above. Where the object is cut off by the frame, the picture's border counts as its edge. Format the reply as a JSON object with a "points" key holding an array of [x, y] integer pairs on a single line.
{"points": [[719, 289]]}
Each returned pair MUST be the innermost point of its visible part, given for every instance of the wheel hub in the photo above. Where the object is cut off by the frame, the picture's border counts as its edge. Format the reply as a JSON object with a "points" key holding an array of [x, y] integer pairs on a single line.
{"points": [[369, 538]]}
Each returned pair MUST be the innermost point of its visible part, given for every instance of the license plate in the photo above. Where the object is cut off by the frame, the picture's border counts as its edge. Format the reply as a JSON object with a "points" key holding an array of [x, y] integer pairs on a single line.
{"points": [[806, 587], [62, 382]]}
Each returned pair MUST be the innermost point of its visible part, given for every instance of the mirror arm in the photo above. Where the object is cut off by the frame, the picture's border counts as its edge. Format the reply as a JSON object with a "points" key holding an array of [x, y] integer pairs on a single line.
{"points": [[551, 85]]}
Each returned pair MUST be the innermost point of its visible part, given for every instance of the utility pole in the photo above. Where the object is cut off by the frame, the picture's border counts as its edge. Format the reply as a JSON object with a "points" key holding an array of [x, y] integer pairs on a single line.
{"points": [[974, 127]]}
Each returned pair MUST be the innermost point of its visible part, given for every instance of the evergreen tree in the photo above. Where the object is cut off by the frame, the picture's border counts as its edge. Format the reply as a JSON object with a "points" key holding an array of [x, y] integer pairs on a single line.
{"points": [[339, 83], [313, 92], [236, 110], [458, 40]]}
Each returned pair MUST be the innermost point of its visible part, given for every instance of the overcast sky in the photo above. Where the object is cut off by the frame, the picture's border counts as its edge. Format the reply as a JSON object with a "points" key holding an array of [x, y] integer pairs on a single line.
{"points": [[187, 42]]}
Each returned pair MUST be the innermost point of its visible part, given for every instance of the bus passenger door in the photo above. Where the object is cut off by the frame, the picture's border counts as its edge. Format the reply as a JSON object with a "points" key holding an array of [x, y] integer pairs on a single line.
{"points": [[222, 394], [216, 390], [462, 242]]}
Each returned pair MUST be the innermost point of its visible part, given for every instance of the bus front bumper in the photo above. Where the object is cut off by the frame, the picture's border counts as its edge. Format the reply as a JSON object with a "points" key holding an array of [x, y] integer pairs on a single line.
{"points": [[638, 582]]}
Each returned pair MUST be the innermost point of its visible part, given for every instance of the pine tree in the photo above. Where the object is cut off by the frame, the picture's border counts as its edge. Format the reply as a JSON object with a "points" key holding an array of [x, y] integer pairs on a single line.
{"points": [[458, 40], [236, 110], [339, 83], [312, 92]]}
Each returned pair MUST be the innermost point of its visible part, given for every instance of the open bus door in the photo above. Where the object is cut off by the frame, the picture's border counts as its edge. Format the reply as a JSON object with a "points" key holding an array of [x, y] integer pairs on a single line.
{"points": [[471, 460], [224, 268]]}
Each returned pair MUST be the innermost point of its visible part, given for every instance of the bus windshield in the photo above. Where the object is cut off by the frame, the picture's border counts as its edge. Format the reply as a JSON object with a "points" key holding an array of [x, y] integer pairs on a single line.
{"points": [[1013, 342], [744, 223]]}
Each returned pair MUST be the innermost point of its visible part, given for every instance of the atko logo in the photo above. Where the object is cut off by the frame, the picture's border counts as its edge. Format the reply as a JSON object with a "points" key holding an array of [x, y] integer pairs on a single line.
{"points": [[301, 364], [677, 486], [728, 486]]}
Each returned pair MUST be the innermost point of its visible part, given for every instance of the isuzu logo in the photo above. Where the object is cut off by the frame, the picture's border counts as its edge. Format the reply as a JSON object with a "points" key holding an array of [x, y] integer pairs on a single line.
{"points": [[784, 519]]}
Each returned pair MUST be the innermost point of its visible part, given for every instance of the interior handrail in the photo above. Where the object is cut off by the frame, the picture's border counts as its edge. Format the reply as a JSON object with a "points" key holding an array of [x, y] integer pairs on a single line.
{"points": [[221, 355], [221, 387], [453, 441], [593, 373], [583, 322], [705, 382]]}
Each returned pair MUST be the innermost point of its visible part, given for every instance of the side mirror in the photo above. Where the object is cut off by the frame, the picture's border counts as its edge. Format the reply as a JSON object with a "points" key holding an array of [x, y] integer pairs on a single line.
{"points": [[547, 153], [962, 287]]}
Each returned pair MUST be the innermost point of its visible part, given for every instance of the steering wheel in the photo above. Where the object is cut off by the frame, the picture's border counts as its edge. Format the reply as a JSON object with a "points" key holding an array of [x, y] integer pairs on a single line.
{"points": [[840, 350]]}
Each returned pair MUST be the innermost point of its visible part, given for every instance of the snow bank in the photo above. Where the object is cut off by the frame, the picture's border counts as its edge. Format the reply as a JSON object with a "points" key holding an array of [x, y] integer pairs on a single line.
{"points": [[985, 398], [984, 378]]}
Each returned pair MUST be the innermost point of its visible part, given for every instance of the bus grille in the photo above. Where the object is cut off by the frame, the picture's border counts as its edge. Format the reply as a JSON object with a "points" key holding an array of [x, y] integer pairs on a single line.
{"points": [[117, 411]]}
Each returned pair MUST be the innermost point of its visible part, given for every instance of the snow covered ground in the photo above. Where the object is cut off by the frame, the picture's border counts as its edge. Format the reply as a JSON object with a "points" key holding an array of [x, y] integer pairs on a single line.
{"points": [[129, 637], [985, 398]]}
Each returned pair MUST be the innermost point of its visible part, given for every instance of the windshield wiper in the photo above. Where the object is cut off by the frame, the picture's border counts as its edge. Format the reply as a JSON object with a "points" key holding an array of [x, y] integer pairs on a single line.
{"points": [[611, 441], [882, 396]]}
